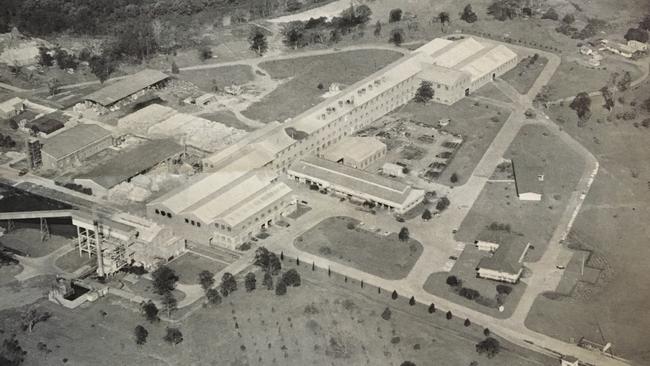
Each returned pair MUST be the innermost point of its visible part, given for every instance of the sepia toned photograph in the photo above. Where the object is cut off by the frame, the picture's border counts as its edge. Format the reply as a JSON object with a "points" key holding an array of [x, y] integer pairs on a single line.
{"points": [[324, 182]]}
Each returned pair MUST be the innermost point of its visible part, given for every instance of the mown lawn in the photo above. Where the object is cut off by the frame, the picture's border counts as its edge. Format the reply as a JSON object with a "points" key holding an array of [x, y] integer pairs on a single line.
{"points": [[301, 91]]}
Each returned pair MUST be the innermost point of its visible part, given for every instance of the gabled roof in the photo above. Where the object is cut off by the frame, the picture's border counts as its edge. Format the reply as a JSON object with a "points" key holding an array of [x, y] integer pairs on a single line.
{"points": [[73, 139], [506, 259], [442, 75], [456, 52], [484, 62], [527, 169], [354, 179], [130, 85]]}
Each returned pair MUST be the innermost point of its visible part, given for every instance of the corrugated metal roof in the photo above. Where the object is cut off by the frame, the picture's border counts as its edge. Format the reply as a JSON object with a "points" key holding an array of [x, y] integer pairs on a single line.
{"points": [[73, 140], [131, 162], [126, 87], [266, 197], [356, 148], [442, 75], [455, 53]]}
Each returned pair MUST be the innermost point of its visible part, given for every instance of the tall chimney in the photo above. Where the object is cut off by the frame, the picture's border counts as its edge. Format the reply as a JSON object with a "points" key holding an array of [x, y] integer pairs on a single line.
{"points": [[98, 247]]}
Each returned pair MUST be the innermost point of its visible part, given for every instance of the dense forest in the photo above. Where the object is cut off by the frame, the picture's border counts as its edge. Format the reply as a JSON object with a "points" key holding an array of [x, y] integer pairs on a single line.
{"points": [[98, 17]]}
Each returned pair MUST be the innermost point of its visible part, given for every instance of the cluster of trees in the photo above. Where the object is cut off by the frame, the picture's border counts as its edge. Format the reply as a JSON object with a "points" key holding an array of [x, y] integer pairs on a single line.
{"points": [[7, 142], [442, 204], [490, 346], [44, 17], [270, 264], [582, 105], [640, 33], [297, 34], [11, 353]]}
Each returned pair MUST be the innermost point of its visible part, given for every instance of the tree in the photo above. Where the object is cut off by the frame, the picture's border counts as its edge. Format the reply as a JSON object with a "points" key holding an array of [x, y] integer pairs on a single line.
{"points": [[442, 204], [444, 17], [468, 14], [361, 14], [489, 346], [173, 336], [645, 105], [11, 353], [377, 32], [250, 282], [175, 69], [335, 36], [150, 311], [169, 303], [608, 97], [31, 317], [424, 93], [568, 19], [395, 15], [44, 57], [453, 178], [206, 279], [503, 9], [386, 314], [141, 335], [54, 86], [228, 284], [258, 42], [467, 323], [394, 295], [293, 5], [625, 82], [268, 281], [205, 53], [426, 214], [550, 14], [164, 279], [291, 278], [404, 234], [293, 34], [645, 23], [280, 288], [486, 332], [432, 308], [581, 104], [449, 315], [396, 36], [213, 296], [102, 67], [637, 34], [412, 301]]}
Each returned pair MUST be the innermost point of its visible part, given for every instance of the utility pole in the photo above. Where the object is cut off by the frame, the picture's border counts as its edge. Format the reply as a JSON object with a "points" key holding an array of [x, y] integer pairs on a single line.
{"points": [[98, 248]]}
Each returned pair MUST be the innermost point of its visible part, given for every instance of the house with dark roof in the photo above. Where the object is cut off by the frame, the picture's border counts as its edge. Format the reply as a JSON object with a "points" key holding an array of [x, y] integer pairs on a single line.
{"points": [[505, 262], [74, 145], [127, 87], [48, 123], [128, 164]]}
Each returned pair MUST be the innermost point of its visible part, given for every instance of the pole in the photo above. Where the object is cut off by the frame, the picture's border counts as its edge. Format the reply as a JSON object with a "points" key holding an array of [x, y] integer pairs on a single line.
{"points": [[100, 262]]}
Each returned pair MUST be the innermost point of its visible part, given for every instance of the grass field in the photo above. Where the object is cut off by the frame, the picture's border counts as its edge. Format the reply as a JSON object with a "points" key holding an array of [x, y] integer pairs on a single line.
{"points": [[384, 256], [323, 322], [305, 73], [489, 90], [471, 121], [535, 222], [613, 225], [572, 77], [28, 241], [227, 118], [220, 77], [525, 73], [189, 265]]}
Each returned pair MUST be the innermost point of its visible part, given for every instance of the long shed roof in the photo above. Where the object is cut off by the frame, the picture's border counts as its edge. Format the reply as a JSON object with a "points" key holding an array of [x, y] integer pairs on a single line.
{"points": [[73, 139], [132, 84]]}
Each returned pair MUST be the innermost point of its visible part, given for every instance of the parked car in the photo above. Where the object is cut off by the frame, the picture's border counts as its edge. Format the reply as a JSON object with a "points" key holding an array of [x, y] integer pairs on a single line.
{"points": [[23, 172], [453, 257]]}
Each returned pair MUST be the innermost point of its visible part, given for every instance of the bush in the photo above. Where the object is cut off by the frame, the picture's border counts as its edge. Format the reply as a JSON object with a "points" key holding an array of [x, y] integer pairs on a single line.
{"points": [[469, 293], [280, 288], [504, 289], [386, 314], [453, 178], [395, 15], [443, 203], [489, 346], [453, 281]]}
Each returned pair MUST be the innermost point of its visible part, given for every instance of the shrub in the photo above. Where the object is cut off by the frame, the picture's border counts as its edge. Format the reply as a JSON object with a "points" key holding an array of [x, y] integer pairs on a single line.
{"points": [[504, 289], [386, 314], [453, 178], [412, 301], [443, 203], [467, 323], [432, 308], [469, 293], [280, 288], [394, 295], [489, 346], [453, 281], [395, 15], [449, 315]]}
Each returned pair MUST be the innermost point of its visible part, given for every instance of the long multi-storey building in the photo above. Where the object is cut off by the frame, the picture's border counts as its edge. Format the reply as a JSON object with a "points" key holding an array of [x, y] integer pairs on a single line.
{"points": [[238, 194]]}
